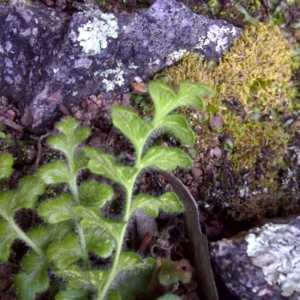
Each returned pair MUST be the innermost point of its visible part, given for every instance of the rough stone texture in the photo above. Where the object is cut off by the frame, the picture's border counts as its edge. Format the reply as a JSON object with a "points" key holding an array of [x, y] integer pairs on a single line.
{"points": [[43, 59], [247, 279]]}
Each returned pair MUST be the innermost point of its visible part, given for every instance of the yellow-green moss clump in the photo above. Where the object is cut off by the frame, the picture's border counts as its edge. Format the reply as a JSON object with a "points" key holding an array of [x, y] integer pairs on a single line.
{"points": [[253, 88], [253, 93]]}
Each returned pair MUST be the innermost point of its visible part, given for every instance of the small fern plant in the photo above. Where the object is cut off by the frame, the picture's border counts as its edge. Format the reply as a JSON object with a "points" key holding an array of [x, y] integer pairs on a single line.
{"points": [[74, 228]]}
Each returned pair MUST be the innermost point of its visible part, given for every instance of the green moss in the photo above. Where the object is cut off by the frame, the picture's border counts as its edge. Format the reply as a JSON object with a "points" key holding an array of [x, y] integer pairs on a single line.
{"points": [[253, 96]]}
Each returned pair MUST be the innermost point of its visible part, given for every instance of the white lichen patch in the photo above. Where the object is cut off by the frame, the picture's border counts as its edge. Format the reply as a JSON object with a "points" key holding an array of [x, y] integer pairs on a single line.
{"points": [[275, 248], [113, 77], [132, 66], [94, 35], [175, 56], [216, 35]]}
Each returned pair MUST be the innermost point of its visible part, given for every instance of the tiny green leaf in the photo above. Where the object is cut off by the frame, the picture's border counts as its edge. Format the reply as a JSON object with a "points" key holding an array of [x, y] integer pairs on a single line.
{"points": [[65, 252], [179, 127], [166, 158], [6, 162], [57, 210], [105, 165], [7, 236], [34, 279], [55, 172], [131, 125], [96, 194], [168, 202], [91, 217]]}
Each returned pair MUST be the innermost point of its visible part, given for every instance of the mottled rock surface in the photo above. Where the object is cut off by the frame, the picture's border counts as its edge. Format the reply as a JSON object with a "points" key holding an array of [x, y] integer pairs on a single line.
{"points": [[263, 265], [48, 58]]}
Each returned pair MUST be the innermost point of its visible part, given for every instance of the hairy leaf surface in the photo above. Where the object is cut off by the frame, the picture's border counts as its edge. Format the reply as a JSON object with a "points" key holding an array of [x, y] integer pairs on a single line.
{"points": [[105, 165], [99, 242], [131, 125], [166, 158], [6, 162], [25, 196], [91, 217], [7, 236], [163, 97], [57, 210], [44, 235], [179, 127], [33, 279], [92, 193], [55, 172], [168, 202], [65, 252], [86, 278]]}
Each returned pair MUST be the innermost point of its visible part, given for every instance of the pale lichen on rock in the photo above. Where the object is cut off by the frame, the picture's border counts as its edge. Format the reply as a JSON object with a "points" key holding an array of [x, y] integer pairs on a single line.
{"points": [[94, 35], [113, 77], [275, 248]]}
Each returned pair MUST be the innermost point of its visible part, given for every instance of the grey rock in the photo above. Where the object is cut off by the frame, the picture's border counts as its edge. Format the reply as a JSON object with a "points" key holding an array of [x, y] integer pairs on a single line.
{"points": [[262, 265], [48, 58]]}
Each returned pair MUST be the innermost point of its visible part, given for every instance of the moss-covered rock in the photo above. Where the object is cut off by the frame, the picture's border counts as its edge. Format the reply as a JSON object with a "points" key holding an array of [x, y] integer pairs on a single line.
{"points": [[251, 118]]}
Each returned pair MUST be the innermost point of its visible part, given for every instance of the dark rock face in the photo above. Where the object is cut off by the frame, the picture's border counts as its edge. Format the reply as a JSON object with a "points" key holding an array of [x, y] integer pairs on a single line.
{"points": [[264, 265], [48, 58]]}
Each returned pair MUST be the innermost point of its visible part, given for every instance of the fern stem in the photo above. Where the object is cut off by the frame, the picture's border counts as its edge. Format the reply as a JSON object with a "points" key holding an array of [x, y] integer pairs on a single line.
{"points": [[24, 237], [74, 191], [119, 243]]}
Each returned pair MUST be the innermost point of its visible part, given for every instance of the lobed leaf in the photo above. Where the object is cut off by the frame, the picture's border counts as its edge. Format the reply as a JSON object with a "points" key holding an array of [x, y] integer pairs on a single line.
{"points": [[114, 295], [179, 127], [6, 162], [57, 210], [127, 261], [91, 217], [55, 172], [25, 196], [34, 278], [44, 235], [85, 278], [7, 237], [166, 158], [131, 125], [105, 165], [99, 242], [165, 100], [163, 97], [80, 161], [190, 94], [92, 193], [65, 252], [73, 293], [67, 126], [168, 202], [72, 137]]}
